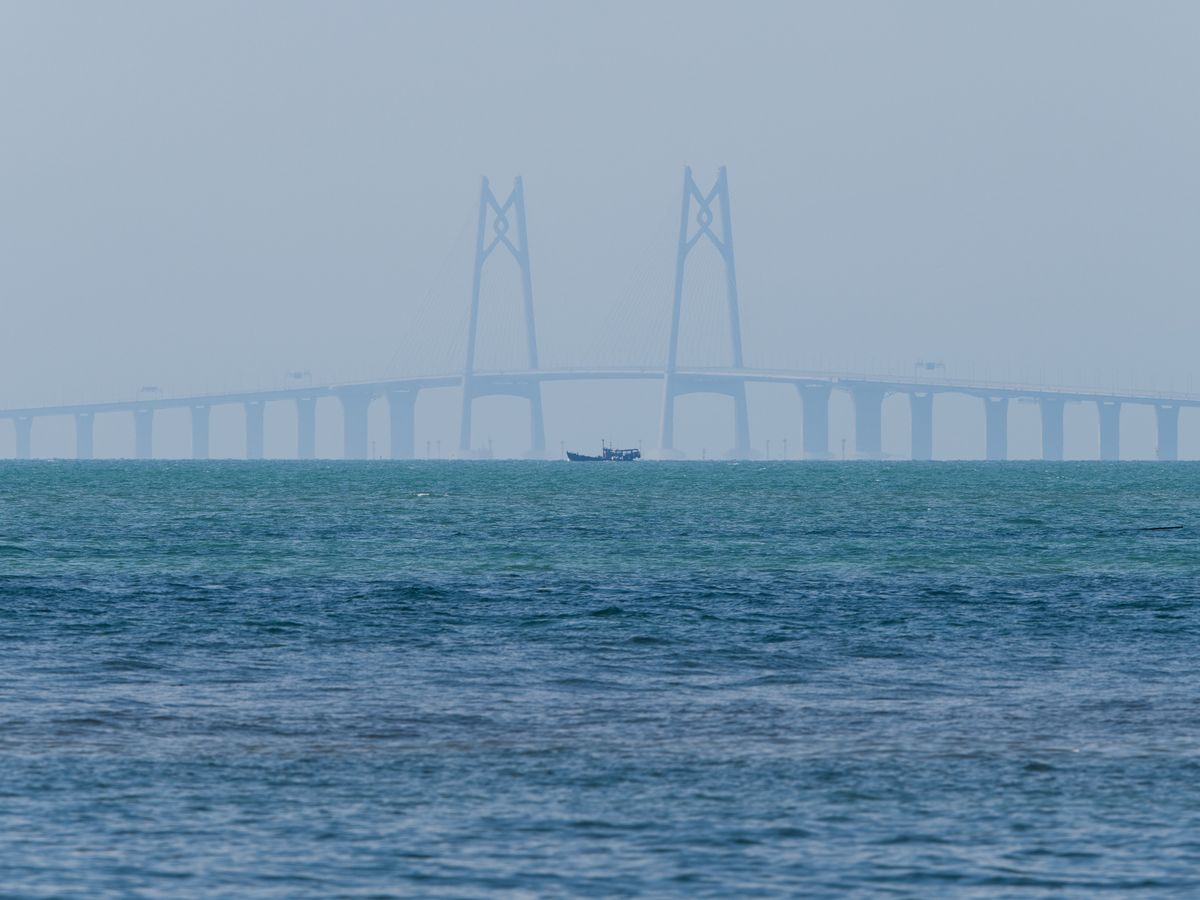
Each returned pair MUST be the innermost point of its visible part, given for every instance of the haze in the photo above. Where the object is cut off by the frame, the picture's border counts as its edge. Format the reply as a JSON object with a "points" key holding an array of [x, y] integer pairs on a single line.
{"points": [[211, 195]]}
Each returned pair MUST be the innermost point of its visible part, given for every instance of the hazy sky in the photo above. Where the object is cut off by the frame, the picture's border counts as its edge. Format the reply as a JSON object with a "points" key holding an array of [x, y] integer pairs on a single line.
{"points": [[208, 194]]}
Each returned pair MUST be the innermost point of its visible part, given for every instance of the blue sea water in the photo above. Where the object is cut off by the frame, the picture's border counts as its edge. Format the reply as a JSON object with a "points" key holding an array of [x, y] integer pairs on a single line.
{"points": [[544, 679]]}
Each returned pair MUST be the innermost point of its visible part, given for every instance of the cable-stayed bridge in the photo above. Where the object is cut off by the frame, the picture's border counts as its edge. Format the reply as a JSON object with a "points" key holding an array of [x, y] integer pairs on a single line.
{"points": [[705, 218]]}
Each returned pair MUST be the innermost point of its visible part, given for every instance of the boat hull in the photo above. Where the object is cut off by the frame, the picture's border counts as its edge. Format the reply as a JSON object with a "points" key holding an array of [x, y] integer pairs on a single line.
{"points": [[609, 455]]}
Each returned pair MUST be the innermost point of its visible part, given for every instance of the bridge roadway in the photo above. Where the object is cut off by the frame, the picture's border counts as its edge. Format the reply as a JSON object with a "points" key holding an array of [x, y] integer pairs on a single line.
{"points": [[814, 388]]}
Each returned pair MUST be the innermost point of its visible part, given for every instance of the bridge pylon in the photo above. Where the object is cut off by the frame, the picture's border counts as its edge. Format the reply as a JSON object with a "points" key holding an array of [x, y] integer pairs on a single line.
{"points": [[506, 233], [692, 228]]}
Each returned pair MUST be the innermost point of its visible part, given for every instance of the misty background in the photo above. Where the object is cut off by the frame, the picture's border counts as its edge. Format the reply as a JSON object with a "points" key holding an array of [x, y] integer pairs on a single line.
{"points": [[207, 196]]}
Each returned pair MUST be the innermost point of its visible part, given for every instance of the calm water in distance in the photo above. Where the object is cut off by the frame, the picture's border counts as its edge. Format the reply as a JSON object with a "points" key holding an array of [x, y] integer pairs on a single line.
{"points": [[545, 679]]}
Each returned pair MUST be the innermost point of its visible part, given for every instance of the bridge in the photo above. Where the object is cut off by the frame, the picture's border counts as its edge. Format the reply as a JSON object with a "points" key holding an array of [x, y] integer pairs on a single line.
{"points": [[705, 216]]}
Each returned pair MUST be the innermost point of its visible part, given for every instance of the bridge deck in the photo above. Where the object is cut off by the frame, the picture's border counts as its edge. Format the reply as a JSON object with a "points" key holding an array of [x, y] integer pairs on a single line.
{"points": [[695, 377]]}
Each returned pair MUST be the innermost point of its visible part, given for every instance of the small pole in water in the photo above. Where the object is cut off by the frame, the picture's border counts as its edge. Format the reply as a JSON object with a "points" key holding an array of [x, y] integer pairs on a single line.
{"points": [[785, 448], [768, 448], [439, 443], [843, 448]]}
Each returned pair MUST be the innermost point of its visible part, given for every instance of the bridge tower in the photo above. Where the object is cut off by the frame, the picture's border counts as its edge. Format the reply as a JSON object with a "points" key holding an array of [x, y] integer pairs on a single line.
{"points": [[507, 232], [691, 230]]}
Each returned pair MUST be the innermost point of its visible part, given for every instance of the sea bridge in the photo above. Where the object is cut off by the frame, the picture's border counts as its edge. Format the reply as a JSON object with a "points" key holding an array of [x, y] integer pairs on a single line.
{"points": [[705, 216]]}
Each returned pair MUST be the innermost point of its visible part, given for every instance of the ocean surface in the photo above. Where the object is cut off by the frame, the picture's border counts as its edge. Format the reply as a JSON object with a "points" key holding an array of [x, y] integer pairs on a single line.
{"points": [[237, 679]]}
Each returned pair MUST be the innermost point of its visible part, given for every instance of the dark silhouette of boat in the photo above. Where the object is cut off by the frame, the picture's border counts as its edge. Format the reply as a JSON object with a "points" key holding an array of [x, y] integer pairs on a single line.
{"points": [[607, 454]]}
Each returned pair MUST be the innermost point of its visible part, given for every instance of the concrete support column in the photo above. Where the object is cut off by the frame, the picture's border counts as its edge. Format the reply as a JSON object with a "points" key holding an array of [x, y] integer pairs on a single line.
{"points": [[1052, 428], [996, 414], [200, 432], [306, 427], [354, 423], [254, 429], [83, 435], [537, 425], [24, 426], [143, 433], [675, 386], [1110, 429], [868, 421], [402, 413], [921, 406], [1167, 417], [815, 404], [666, 429], [741, 422]]}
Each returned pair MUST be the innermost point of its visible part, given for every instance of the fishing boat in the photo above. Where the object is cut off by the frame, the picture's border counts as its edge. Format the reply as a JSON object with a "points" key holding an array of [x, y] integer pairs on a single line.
{"points": [[607, 454]]}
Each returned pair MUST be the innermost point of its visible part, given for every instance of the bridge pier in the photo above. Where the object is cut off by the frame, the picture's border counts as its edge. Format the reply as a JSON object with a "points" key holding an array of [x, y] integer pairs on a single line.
{"points": [[200, 415], [306, 428], [868, 421], [464, 425], [996, 436], [1110, 429], [1166, 416], [254, 428], [741, 422], [921, 407], [537, 425], [666, 428], [143, 433], [1052, 428], [402, 411], [84, 422], [475, 387], [24, 427], [354, 422], [675, 386], [814, 400]]}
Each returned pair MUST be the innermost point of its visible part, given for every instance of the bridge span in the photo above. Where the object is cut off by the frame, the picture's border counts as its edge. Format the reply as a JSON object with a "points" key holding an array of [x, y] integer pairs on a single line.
{"points": [[814, 389], [705, 217]]}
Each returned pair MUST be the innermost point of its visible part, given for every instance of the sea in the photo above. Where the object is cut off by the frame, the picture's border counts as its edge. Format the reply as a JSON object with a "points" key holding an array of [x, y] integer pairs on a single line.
{"points": [[544, 679]]}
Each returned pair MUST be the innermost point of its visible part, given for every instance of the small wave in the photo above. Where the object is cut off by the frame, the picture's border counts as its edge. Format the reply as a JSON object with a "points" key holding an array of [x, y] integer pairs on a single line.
{"points": [[907, 837], [129, 664], [1038, 767]]}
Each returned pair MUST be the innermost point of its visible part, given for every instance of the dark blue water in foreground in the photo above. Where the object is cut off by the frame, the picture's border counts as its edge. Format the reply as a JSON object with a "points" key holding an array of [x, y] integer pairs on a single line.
{"points": [[272, 679]]}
